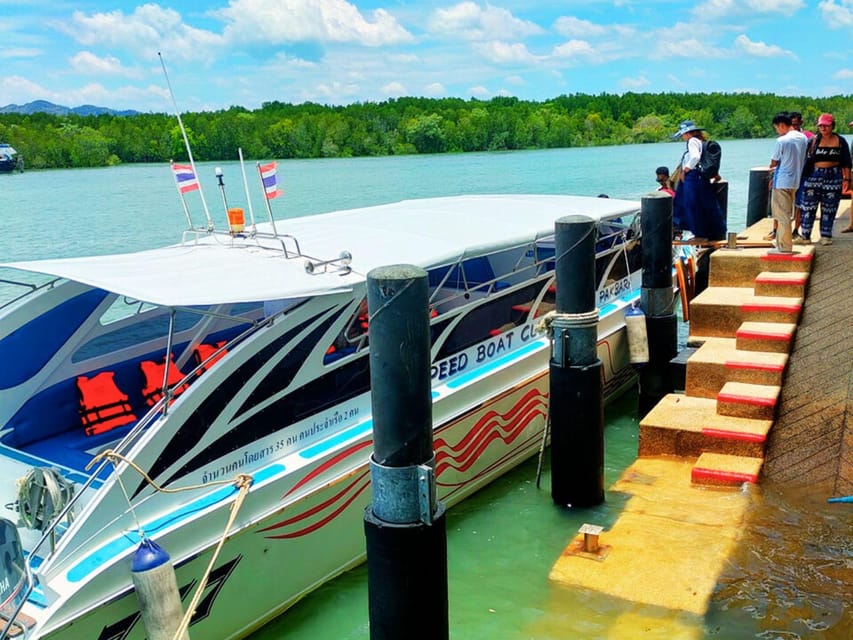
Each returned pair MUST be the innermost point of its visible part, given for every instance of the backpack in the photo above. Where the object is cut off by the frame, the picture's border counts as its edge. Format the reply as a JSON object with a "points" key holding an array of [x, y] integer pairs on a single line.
{"points": [[709, 161]]}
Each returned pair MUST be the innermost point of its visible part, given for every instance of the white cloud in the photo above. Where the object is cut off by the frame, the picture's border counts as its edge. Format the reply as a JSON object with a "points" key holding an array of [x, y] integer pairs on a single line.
{"points": [[844, 74], [148, 29], [118, 97], [504, 52], [839, 15], [435, 89], [573, 49], [283, 21], [403, 58], [516, 81], [571, 27], [479, 91], [726, 8], [20, 52], [395, 89], [760, 49], [331, 93], [88, 63], [688, 48], [21, 90], [634, 83], [472, 22], [675, 80]]}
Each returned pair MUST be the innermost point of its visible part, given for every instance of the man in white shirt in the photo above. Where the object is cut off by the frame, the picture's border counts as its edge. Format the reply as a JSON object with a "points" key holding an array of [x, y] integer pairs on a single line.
{"points": [[786, 165]]}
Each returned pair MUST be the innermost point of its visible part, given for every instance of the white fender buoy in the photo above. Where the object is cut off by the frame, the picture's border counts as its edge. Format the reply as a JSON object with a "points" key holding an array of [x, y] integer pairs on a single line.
{"points": [[157, 592], [638, 339]]}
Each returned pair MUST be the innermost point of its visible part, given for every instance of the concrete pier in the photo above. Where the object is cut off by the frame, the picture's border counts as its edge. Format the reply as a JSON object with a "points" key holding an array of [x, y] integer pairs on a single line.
{"points": [[768, 393]]}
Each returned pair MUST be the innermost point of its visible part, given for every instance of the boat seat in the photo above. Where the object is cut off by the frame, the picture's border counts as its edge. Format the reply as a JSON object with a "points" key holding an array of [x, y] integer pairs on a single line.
{"points": [[74, 450], [204, 355], [152, 371], [103, 406]]}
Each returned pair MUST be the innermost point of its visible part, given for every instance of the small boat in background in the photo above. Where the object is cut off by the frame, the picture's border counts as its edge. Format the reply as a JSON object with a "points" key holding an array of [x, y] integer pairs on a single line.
{"points": [[9, 159], [244, 353]]}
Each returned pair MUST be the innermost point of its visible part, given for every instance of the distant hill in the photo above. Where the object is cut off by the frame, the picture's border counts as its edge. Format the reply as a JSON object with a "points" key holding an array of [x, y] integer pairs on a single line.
{"points": [[43, 106]]}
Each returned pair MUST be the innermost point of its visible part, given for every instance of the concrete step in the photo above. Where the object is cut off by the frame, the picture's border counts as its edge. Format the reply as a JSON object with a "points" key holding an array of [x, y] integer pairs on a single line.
{"points": [[688, 426], [744, 400], [719, 361], [720, 311], [725, 470], [773, 337], [790, 284], [739, 267]]}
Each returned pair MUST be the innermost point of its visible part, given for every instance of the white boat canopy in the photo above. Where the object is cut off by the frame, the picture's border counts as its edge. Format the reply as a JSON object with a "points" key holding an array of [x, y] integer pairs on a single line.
{"points": [[217, 269]]}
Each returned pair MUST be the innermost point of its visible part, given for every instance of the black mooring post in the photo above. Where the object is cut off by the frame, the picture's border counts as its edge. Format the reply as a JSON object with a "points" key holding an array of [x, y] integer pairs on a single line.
{"points": [[758, 196], [721, 193], [577, 408], [405, 525], [657, 300]]}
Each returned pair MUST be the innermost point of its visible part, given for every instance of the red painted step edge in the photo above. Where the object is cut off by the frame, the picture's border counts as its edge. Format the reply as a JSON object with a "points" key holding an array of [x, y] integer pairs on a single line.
{"points": [[789, 280], [733, 435], [787, 257], [782, 308], [698, 473], [762, 335], [758, 402], [754, 366]]}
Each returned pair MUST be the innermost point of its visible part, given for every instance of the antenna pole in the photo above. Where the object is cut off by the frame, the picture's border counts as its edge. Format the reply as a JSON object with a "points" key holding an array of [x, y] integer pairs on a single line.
{"points": [[186, 143], [246, 187], [219, 177]]}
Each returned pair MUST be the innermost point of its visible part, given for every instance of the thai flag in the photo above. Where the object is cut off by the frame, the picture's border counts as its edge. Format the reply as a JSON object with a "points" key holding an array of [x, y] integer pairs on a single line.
{"points": [[269, 180], [185, 177]]}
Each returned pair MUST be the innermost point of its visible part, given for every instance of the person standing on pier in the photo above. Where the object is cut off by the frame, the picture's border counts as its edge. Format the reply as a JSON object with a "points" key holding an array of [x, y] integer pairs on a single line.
{"points": [[663, 179], [797, 123], [695, 202], [786, 164], [826, 172]]}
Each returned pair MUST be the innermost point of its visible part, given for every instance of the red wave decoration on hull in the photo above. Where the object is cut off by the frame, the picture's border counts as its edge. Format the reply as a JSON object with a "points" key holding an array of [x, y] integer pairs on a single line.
{"points": [[358, 485], [491, 426], [328, 464]]}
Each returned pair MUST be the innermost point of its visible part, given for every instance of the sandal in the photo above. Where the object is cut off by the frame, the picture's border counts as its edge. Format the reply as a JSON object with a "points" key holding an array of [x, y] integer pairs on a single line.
{"points": [[847, 230]]}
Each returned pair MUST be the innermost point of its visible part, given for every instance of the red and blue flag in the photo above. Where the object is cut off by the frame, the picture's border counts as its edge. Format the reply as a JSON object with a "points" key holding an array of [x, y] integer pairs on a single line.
{"points": [[269, 180], [185, 177]]}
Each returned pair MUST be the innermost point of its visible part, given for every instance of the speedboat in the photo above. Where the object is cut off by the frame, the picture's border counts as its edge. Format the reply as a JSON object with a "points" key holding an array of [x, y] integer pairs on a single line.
{"points": [[137, 390], [8, 158]]}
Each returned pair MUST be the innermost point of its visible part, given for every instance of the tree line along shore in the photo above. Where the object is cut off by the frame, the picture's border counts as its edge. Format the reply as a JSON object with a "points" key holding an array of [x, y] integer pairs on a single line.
{"points": [[400, 126]]}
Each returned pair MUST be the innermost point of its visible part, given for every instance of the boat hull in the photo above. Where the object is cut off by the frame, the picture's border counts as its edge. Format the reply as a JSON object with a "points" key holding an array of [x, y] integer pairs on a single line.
{"points": [[311, 537]]}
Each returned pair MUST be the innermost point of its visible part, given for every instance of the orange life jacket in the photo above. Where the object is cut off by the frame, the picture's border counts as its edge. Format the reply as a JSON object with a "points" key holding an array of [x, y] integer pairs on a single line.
{"points": [[153, 372], [103, 406], [204, 351]]}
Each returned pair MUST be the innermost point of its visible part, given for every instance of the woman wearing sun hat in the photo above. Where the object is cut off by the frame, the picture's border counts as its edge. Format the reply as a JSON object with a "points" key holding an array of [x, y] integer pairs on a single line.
{"points": [[827, 171], [695, 203]]}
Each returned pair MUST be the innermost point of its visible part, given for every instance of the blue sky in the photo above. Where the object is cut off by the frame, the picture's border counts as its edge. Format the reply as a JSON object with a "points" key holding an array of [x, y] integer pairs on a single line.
{"points": [[245, 52]]}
